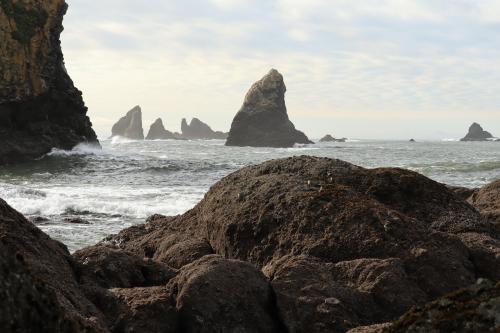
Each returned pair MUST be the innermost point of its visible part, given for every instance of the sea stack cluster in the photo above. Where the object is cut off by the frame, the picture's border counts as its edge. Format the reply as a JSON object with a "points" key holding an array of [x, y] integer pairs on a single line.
{"points": [[40, 108], [301, 244]]}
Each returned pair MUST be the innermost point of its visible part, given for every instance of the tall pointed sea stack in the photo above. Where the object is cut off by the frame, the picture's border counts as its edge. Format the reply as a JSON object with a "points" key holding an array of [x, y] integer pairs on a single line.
{"points": [[40, 108], [130, 126], [263, 121]]}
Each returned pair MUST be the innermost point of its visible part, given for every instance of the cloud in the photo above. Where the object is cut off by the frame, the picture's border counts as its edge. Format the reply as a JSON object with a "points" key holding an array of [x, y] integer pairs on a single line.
{"points": [[344, 62]]}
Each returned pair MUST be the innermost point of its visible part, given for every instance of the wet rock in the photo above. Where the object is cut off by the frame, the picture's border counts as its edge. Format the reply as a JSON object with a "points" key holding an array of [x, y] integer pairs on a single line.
{"points": [[474, 309], [39, 220], [75, 220], [214, 294], [40, 108], [329, 138], [412, 140], [476, 133], [263, 121], [130, 126], [158, 132], [463, 193], [199, 130]]}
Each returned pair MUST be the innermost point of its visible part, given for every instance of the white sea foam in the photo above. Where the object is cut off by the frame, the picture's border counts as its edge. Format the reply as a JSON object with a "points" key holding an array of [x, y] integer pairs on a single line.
{"points": [[121, 140], [80, 149]]}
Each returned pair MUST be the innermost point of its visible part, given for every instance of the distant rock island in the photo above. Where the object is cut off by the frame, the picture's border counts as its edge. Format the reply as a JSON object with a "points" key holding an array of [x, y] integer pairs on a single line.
{"points": [[130, 126], [40, 108], [476, 133], [329, 138], [199, 130], [158, 132], [263, 121]]}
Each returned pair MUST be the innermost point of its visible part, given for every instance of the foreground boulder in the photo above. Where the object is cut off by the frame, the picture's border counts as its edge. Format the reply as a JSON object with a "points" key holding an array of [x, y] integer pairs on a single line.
{"points": [[476, 133], [130, 126], [342, 246], [40, 108], [158, 132], [199, 130], [263, 120], [50, 264], [214, 294]]}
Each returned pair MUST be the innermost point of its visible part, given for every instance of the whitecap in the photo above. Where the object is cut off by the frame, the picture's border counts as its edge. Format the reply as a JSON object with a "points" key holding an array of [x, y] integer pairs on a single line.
{"points": [[79, 150]]}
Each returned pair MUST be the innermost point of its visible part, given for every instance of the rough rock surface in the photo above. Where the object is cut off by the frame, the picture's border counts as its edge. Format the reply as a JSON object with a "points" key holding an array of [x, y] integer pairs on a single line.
{"points": [[219, 295], [158, 132], [263, 121], [130, 125], [40, 108], [343, 246], [329, 138], [476, 133], [49, 262], [472, 310], [199, 130], [487, 201]]}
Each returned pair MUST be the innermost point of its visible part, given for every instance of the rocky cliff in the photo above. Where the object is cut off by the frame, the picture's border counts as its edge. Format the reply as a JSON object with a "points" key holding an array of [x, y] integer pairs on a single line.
{"points": [[476, 133], [130, 125], [199, 130], [263, 120], [40, 108]]}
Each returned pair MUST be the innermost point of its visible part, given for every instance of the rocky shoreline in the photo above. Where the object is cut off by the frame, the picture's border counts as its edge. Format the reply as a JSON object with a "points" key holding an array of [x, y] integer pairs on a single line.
{"points": [[290, 245]]}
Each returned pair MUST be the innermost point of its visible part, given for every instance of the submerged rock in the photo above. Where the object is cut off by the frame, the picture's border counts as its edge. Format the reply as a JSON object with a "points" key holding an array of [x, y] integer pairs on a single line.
{"points": [[199, 130], [329, 138], [130, 126], [40, 108], [476, 133], [158, 132], [263, 121]]}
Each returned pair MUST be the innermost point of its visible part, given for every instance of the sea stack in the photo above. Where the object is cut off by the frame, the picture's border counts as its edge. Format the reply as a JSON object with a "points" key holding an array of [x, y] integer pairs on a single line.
{"points": [[329, 138], [158, 132], [199, 130], [40, 108], [263, 121], [130, 126], [476, 133]]}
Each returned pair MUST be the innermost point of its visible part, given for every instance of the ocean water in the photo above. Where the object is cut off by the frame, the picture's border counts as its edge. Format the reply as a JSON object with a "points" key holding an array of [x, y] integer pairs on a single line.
{"points": [[127, 181]]}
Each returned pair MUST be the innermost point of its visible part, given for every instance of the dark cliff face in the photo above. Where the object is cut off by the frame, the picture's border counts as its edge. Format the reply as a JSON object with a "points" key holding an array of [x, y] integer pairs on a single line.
{"points": [[476, 133], [40, 108], [263, 121]]}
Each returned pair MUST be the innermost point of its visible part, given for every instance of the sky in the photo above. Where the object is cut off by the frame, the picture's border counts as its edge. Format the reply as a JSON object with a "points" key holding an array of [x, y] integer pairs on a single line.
{"points": [[370, 69]]}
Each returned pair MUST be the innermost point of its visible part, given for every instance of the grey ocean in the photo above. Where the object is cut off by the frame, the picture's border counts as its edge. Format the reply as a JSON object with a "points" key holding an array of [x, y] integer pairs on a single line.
{"points": [[127, 181]]}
